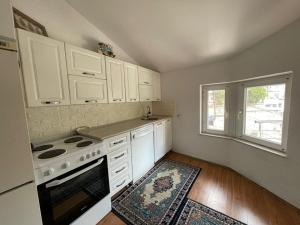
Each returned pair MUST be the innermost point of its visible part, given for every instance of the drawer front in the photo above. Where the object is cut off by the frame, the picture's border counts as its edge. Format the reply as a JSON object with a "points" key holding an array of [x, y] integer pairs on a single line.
{"points": [[117, 141], [123, 168], [119, 183], [118, 156]]}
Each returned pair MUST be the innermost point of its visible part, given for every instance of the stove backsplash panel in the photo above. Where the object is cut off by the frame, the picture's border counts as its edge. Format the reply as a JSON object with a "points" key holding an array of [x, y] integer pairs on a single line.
{"points": [[48, 123]]}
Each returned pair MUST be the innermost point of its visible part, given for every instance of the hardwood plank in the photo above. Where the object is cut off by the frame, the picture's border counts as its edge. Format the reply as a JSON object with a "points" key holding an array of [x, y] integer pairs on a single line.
{"points": [[228, 192]]}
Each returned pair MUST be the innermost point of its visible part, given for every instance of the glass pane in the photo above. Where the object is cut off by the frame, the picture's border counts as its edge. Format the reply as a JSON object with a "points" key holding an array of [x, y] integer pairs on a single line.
{"points": [[216, 109], [264, 109]]}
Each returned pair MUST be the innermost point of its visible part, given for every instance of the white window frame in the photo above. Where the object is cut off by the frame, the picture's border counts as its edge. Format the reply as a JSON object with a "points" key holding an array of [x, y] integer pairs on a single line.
{"points": [[234, 111], [241, 118], [204, 109]]}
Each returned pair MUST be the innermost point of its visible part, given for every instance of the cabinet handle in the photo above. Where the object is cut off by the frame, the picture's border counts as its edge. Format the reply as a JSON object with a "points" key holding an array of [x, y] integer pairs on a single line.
{"points": [[132, 99], [90, 101], [118, 142], [146, 82], [117, 99], [119, 156], [123, 168], [51, 102], [147, 99], [87, 73], [120, 183]]}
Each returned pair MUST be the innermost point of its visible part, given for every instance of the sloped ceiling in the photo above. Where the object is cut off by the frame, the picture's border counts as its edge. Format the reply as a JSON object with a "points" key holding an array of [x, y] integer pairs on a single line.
{"points": [[172, 34]]}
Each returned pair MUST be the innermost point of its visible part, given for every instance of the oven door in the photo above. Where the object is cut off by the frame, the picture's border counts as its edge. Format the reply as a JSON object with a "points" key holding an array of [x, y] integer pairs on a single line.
{"points": [[68, 196]]}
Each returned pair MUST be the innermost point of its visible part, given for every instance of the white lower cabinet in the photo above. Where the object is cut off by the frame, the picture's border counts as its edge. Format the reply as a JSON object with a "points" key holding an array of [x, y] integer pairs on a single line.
{"points": [[142, 147], [85, 90], [119, 161], [159, 140], [168, 134]]}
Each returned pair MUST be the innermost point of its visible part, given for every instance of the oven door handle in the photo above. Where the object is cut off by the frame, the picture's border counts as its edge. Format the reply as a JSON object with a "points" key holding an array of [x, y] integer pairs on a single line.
{"points": [[59, 182]]}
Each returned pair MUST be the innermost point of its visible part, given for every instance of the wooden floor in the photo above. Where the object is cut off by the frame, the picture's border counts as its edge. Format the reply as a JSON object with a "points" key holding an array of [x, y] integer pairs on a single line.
{"points": [[228, 192]]}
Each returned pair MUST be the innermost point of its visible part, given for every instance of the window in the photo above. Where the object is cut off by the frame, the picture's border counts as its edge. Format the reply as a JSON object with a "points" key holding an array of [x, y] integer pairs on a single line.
{"points": [[215, 109], [259, 110]]}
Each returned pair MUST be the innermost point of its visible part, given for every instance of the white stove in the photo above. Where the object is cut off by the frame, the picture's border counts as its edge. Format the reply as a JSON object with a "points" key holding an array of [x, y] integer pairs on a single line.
{"points": [[55, 158]]}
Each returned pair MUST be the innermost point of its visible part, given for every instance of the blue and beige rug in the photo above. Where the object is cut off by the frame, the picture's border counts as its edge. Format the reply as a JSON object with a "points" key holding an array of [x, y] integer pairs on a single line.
{"points": [[195, 213], [156, 197]]}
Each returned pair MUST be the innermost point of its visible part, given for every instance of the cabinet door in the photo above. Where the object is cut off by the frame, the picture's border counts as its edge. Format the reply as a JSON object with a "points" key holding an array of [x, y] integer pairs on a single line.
{"points": [[145, 76], [156, 87], [115, 80], [86, 90], [44, 69], [168, 134], [83, 62], [146, 93], [131, 82], [159, 140]]}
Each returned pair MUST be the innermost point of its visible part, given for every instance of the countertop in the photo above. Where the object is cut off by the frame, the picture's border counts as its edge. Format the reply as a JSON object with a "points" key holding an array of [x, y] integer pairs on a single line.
{"points": [[110, 130]]}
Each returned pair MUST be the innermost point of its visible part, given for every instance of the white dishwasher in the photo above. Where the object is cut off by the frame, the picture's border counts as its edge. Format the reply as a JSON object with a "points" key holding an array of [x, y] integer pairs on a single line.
{"points": [[142, 149]]}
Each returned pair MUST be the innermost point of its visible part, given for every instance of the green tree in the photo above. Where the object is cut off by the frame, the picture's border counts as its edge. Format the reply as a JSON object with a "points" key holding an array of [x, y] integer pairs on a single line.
{"points": [[256, 94]]}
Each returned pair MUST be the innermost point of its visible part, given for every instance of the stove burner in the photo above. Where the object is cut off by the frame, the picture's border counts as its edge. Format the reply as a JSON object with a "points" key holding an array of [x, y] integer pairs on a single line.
{"points": [[42, 148], [51, 153], [84, 143], [73, 139]]}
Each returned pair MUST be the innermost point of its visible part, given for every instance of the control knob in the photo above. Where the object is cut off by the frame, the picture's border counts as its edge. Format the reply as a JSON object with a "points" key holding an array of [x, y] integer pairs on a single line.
{"points": [[88, 155], [66, 165], [82, 158], [49, 172]]}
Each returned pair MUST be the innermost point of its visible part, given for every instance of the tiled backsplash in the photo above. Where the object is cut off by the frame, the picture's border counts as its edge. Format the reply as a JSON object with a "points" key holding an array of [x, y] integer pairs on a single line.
{"points": [[46, 123]]}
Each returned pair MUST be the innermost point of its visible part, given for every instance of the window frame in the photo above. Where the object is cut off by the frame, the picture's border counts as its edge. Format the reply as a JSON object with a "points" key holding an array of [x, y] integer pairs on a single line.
{"points": [[234, 124], [241, 118], [204, 109]]}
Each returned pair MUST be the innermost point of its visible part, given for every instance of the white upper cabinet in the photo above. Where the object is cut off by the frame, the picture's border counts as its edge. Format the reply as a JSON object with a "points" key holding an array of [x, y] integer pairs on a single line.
{"points": [[87, 90], [44, 69], [131, 82], [145, 76], [115, 80], [86, 63], [156, 86], [146, 93]]}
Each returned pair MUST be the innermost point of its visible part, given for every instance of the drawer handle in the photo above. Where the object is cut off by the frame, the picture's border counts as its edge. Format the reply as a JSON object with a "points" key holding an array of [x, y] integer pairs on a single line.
{"points": [[147, 99], [120, 183], [120, 170], [87, 73], [90, 101], [51, 102], [118, 142], [119, 156]]}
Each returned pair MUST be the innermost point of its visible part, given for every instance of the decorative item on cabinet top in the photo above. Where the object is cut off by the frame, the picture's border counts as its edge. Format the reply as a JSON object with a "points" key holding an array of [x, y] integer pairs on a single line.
{"points": [[106, 49], [26, 23]]}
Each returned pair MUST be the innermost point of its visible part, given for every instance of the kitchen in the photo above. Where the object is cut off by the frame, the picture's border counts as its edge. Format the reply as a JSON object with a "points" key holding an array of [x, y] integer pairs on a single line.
{"points": [[57, 74], [144, 112]]}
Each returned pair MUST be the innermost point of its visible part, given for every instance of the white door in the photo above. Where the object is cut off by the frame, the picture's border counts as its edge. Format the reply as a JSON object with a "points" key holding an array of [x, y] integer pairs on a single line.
{"points": [[168, 134], [145, 76], [146, 93], [84, 90], [156, 86], [131, 82], [86, 63], [115, 80], [44, 69], [159, 140], [142, 150], [20, 206]]}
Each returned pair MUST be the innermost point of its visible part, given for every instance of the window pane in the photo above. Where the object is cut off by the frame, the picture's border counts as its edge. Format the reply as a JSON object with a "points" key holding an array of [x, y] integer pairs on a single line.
{"points": [[264, 109], [215, 109]]}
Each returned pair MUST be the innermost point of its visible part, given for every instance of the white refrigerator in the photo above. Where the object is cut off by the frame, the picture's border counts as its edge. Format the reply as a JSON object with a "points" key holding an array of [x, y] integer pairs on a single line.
{"points": [[18, 195]]}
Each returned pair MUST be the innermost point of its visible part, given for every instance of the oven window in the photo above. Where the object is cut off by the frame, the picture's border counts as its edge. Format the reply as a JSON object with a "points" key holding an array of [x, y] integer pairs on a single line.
{"points": [[65, 202]]}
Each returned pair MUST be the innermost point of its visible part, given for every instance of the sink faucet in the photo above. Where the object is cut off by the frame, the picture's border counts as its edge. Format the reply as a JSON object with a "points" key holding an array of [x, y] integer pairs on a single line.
{"points": [[148, 111]]}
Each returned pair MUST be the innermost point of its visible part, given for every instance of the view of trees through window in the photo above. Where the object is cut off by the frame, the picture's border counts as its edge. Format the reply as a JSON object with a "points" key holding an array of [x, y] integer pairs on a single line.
{"points": [[264, 108], [216, 109]]}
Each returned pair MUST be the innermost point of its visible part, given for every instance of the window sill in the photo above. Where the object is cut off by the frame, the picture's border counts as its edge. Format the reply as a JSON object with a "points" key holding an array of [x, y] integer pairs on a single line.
{"points": [[270, 150]]}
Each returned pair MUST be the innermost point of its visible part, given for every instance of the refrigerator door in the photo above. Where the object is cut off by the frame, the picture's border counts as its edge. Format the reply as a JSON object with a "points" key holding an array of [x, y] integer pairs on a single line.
{"points": [[20, 206], [16, 158]]}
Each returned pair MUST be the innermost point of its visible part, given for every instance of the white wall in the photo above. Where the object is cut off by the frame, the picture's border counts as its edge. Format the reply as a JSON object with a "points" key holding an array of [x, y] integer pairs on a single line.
{"points": [[278, 53], [64, 23]]}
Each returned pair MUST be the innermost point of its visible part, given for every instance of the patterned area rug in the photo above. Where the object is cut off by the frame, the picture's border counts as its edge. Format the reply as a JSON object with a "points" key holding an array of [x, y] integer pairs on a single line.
{"points": [[195, 213], [155, 198]]}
